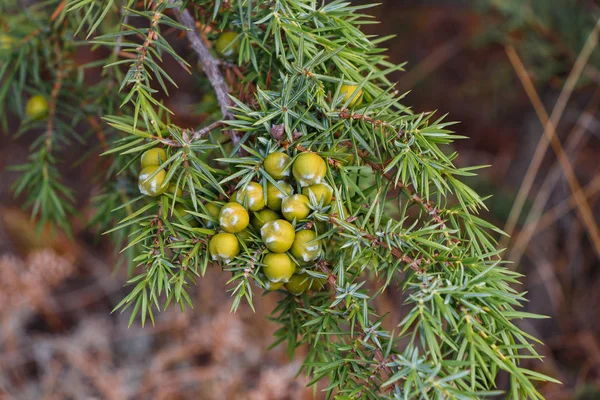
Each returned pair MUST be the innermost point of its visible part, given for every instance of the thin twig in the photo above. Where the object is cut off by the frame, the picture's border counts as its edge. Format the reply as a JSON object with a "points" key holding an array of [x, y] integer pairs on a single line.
{"points": [[206, 130], [209, 64]]}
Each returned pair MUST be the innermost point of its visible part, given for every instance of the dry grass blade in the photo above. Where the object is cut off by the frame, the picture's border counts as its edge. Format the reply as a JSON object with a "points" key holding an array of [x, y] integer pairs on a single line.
{"points": [[550, 137], [567, 205], [523, 238]]}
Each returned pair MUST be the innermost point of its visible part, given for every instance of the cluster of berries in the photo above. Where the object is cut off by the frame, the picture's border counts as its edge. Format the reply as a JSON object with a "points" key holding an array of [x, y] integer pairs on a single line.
{"points": [[273, 213]]}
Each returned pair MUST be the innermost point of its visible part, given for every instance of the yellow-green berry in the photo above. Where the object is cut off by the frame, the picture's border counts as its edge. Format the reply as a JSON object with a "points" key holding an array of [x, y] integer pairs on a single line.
{"points": [[228, 44], [263, 216], [298, 284], [36, 107], [318, 284], [251, 197], [272, 286], [277, 165], [278, 235], [347, 91], [153, 157], [174, 190], [295, 207], [233, 218], [278, 267], [275, 196], [6, 42], [244, 236], [152, 185], [321, 192], [309, 169], [223, 247], [305, 248], [341, 214]]}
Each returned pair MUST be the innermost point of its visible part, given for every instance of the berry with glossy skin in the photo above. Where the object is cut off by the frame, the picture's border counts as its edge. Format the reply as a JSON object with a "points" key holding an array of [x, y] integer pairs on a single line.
{"points": [[233, 218], [309, 169], [152, 186], [261, 217], [153, 157], [278, 267], [275, 196], [347, 92], [277, 165], [321, 191], [223, 247], [305, 248], [298, 284], [272, 286], [36, 107], [295, 207], [252, 196], [226, 46], [278, 235]]}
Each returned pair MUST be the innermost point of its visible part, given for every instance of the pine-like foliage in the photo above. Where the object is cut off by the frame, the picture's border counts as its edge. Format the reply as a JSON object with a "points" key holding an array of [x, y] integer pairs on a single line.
{"points": [[305, 80]]}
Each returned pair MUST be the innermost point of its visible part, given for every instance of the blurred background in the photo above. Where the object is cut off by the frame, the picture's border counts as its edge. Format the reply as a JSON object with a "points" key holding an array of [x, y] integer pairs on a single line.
{"points": [[522, 76]]}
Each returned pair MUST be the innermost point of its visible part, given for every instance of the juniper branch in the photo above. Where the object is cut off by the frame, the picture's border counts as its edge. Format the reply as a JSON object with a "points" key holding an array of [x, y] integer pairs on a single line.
{"points": [[209, 64]]}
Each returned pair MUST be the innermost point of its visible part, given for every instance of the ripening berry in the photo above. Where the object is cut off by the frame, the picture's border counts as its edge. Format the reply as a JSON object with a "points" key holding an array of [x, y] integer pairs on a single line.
{"points": [[174, 190], [347, 91], [277, 165], [343, 214], [263, 216], [213, 210], [309, 169], [244, 236], [278, 267], [223, 246], [272, 286], [252, 196], [179, 210], [227, 44], [321, 191], [278, 235], [233, 218], [318, 284], [298, 284], [295, 207], [6, 42], [344, 155], [305, 248], [153, 157], [36, 107], [152, 186], [275, 196]]}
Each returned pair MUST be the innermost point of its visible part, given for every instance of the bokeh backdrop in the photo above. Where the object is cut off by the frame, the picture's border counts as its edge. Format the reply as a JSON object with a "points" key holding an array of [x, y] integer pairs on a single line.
{"points": [[522, 76]]}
